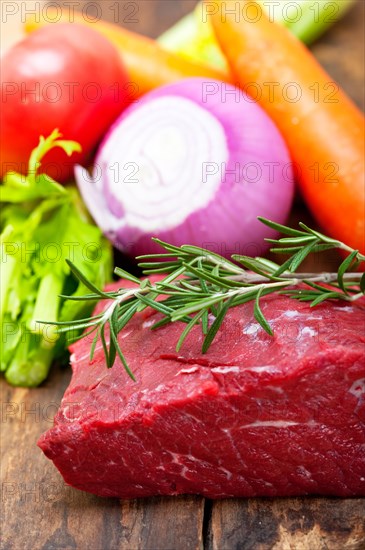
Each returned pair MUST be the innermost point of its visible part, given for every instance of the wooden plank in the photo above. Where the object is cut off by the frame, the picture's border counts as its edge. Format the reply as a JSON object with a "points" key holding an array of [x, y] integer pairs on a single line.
{"points": [[163, 523], [39, 511], [341, 52], [38, 508], [286, 524]]}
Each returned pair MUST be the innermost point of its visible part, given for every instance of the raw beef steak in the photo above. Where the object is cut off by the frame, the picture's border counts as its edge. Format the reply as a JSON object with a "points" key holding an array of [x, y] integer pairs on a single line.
{"points": [[255, 416]]}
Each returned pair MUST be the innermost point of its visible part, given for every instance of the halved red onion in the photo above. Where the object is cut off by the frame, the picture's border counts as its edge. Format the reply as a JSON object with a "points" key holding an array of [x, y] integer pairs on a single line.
{"points": [[191, 163]]}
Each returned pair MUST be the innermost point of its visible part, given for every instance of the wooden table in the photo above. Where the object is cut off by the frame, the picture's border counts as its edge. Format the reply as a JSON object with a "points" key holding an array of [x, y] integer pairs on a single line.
{"points": [[40, 512]]}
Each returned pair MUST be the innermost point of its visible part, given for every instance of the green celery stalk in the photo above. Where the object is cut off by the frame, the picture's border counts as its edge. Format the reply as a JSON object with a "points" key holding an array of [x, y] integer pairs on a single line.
{"points": [[317, 17], [194, 40], [8, 266], [31, 363], [51, 285], [7, 270], [10, 337]]}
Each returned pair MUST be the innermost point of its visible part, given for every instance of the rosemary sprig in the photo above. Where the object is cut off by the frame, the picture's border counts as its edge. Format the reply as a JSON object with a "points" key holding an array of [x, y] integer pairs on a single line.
{"points": [[200, 287]]}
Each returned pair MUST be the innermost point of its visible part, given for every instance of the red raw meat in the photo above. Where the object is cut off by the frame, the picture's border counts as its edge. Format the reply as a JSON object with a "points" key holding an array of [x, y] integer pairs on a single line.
{"points": [[255, 416]]}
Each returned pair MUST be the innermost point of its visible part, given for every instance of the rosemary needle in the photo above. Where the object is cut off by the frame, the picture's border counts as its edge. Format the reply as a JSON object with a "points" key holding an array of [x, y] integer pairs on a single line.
{"points": [[199, 284]]}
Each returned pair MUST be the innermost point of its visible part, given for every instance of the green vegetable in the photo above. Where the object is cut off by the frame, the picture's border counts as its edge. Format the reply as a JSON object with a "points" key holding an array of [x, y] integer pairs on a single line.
{"points": [[43, 224], [204, 284], [317, 17], [193, 38]]}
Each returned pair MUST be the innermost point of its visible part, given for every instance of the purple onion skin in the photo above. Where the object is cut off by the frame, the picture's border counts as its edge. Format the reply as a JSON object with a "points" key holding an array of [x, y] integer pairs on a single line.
{"points": [[228, 223]]}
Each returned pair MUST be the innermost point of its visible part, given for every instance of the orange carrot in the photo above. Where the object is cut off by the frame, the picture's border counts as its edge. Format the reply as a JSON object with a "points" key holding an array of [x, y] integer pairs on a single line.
{"points": [[322, 127], [148, 65]]}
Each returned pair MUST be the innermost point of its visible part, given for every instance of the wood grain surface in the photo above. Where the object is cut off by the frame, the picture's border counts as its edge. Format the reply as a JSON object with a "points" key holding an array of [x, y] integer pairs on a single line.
{"points": [[285, 524], [40, 512]]}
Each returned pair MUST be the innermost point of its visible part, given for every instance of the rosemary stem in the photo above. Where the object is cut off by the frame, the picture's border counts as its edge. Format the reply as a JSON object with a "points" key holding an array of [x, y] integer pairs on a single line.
{"points": [[343, 246], [117, 301], [355, 297], [314, 277], [328, 277]]}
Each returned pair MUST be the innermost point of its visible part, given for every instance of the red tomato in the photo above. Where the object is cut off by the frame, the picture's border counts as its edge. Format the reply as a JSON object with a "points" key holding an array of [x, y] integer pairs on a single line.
{"points": [[64, 76]]}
